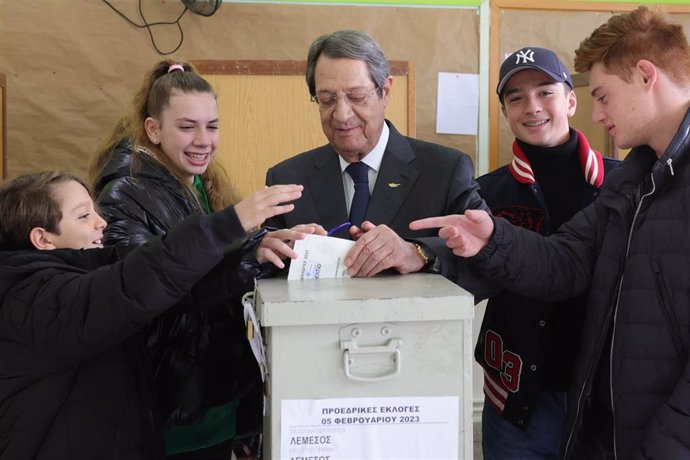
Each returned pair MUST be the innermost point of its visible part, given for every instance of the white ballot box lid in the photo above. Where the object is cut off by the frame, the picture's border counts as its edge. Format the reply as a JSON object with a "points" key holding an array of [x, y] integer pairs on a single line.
{"points": [[413, 297]]}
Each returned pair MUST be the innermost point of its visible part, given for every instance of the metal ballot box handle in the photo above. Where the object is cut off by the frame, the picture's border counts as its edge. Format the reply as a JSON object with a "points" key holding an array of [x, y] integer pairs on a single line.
{"points": [[371, 351]]}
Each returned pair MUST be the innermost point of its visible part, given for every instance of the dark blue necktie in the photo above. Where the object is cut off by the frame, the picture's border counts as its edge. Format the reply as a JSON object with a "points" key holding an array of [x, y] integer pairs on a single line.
{"points": [[360, 201]]}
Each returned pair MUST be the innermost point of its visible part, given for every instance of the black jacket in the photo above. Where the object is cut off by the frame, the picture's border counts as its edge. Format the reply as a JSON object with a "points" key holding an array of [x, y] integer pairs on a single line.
{"points": [[630, 250], [526, 345], [200, 356], [73, 383], [140, 198]]}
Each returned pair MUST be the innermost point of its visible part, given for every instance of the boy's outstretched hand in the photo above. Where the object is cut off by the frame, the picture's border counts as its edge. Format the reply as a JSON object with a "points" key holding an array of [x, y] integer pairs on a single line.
{"points": [[466, 234], [269, 202]]}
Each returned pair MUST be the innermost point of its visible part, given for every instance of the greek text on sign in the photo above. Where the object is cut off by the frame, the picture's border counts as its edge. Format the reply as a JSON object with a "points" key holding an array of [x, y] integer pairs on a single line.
{"points": [[423, 428]]}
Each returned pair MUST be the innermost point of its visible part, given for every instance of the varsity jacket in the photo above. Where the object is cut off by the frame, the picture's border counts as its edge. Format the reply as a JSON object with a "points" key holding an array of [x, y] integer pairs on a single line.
{"points": [[526, 345]]}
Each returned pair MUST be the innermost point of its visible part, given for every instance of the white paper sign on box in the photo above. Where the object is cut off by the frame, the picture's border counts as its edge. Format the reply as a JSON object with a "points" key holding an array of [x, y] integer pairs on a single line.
{"points": [[413, 428]]}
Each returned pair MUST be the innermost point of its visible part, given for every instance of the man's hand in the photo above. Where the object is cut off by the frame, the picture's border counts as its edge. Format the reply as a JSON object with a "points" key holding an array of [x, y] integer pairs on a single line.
{"points": [[466, 234], [277, 245], [379, 248]]}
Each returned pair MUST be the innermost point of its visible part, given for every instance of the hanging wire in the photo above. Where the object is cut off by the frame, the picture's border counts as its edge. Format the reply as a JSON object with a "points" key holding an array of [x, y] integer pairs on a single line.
{"points": [[147, 25]]}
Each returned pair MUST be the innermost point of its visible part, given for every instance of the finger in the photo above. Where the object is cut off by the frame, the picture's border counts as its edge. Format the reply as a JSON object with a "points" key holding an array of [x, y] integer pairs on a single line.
{"points": [[459, 252], [318, 229], [447, 232], [375, 240], [264, 255], [356, 233], [454, 243], [283, 247], [275, 250], [309, 229], [285, 250], [256, 216], [277, 234], [274, 259], [459, 247], [429, 222], [366, 258], [281, 188], [355, 259], [377, 262], [277, 210], [376, 269], [280, 198], [476, 215], [298, 236], [367, 226], [380, 259], [290, 234], [356, 269], [279, 194]]}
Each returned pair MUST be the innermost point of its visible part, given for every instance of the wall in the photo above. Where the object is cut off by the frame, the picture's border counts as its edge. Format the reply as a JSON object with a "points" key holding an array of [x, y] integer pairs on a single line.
{"points": [[72, 67]]}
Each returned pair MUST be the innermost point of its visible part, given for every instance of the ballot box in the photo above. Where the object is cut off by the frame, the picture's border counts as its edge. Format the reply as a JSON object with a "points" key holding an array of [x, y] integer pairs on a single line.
{"points": [[367, 368]]}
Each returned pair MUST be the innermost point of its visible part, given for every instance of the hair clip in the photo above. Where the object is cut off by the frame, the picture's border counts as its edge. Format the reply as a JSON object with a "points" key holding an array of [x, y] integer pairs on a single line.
{"points": [[175, 67]]}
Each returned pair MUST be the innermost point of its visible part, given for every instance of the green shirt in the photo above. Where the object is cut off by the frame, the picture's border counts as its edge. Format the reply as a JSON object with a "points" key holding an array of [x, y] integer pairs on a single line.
{"points": [[218, 425], [201, 194]]}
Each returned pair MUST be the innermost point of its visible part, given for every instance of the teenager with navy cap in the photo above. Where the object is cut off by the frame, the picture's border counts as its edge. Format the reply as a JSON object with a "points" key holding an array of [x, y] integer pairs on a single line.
{"points": [[527, 347]]}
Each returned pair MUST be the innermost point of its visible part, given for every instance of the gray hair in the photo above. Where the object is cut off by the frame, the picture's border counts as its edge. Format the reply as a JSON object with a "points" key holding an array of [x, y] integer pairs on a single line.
{"points": [[350, 44]]}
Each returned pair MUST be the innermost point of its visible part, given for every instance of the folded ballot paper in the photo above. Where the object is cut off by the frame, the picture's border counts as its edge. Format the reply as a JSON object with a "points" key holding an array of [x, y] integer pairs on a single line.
{"points": [[320, 257]]}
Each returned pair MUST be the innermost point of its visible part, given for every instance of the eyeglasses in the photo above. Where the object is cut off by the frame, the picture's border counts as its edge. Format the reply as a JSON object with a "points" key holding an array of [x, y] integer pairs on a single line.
{"points": [[353, 98]]}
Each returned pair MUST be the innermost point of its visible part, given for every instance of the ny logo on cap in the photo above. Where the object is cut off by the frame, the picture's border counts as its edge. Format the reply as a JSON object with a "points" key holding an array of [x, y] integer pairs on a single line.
{"points": [[524, 56]]}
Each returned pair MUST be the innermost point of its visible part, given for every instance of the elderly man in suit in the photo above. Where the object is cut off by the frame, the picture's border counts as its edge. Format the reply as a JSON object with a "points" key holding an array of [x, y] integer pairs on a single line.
{"points": [[369, 174]]}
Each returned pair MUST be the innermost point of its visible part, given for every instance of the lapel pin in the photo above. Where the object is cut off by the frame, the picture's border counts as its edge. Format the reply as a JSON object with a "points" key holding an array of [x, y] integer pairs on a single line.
{"points": [[393, 185]]}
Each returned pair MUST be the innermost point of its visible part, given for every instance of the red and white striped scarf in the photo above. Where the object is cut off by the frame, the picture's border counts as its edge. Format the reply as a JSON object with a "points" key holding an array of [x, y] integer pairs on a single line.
{"points": [[590, 160]]}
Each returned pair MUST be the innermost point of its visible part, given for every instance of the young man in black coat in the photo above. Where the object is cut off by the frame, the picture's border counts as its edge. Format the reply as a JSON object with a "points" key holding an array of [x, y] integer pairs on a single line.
{"points": [[73, 381]]}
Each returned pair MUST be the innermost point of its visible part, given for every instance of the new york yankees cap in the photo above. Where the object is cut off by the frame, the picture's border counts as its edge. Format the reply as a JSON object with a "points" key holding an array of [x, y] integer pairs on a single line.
{"points": [[532, 57]]}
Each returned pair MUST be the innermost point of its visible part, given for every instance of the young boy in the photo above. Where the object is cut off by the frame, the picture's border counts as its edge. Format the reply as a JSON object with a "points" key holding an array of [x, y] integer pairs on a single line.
{"points": [[526, 347], [74, 381]]}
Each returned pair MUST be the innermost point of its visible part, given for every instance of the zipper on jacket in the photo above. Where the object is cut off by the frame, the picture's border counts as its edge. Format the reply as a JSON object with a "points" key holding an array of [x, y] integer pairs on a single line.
{"points": [[667, 312], [615, 314], [613, 340], [190, 190], [613, 334], [590, 370]]}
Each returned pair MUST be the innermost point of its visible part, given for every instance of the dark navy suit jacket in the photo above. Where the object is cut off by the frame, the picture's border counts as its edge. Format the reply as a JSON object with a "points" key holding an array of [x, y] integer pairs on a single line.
{"points": [[416, 180]]}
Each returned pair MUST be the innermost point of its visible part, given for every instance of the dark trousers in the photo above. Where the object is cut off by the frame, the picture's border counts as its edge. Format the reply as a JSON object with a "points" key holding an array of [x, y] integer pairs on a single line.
{"points": [[501, 440]]}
